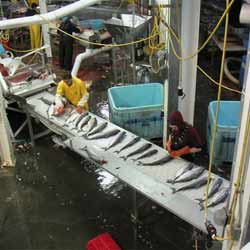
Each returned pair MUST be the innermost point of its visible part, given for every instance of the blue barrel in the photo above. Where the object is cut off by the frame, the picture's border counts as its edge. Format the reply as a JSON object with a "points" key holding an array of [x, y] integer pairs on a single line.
{"points": [[137, 108]]}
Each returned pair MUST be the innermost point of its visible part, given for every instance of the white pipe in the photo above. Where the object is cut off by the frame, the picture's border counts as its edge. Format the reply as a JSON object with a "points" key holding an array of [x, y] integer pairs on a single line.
{"points": [[165, 117], [45, 28], [190, 23], [245, 14], [44, 18], [88, 53]]}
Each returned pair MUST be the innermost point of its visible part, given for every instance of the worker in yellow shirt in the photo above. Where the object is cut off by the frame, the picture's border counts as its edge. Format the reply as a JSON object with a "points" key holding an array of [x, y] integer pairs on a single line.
{"points": [[35, 29], [74, 91]]}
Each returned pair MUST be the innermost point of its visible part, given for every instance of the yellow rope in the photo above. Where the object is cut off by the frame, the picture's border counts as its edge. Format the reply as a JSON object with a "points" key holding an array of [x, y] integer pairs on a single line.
{"points": [[212, 147], [215, 82], [140, 40], [119, 6], [154, 45], [237, 188], [33, 57], [199, 68], [21, 51], [209, 37], [99, 44], [221, 238], [239, 176], [179, 36], [196, 244]]}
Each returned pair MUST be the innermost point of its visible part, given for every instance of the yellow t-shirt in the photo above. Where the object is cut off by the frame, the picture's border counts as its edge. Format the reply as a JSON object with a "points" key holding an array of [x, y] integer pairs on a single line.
{"points": [[74, 92]]}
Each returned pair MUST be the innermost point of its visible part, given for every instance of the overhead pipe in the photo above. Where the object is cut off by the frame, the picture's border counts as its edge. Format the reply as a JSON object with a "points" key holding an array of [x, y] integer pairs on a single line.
{"points": [[47, 17], [87, 54]]}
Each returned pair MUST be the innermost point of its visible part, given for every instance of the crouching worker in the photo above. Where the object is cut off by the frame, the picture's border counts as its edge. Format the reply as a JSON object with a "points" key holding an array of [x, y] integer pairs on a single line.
{"points": [[184, 140], [71, 90]]}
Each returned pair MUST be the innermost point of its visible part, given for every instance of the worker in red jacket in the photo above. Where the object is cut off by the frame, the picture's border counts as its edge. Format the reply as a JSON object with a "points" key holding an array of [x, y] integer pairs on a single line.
{"points": [[183, 139]]}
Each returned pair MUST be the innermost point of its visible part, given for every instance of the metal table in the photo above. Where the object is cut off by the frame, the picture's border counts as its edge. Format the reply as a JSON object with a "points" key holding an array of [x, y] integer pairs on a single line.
{"points": [[148, 180]]}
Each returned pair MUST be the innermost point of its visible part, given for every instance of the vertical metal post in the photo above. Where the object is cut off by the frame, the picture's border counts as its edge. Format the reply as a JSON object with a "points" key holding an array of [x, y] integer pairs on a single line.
{"points": [[165, 110], [45, 28], [135, 217], [242, 210], [133, 46], [166, 85], [114, 61], [6, 150], [190, 24], [30, 128], [173, 67]]}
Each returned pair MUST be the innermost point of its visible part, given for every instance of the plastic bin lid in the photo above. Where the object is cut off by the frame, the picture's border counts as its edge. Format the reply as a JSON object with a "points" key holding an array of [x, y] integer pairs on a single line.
{"points": [[139, 96], [229, 115]]}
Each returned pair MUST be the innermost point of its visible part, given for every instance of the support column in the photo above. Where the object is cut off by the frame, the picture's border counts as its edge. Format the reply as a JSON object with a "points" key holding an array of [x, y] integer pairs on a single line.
{"points": [[6, 149], [242, 213], [190, 24], [45, 28]]}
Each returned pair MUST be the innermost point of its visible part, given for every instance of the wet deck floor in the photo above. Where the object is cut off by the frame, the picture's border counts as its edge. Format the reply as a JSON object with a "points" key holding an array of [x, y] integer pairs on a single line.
{"points": [[53, 199]]}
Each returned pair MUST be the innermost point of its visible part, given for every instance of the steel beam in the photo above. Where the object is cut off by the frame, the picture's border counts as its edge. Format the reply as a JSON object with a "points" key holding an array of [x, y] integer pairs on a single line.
{"points": [[242, 212], [190, 39]]}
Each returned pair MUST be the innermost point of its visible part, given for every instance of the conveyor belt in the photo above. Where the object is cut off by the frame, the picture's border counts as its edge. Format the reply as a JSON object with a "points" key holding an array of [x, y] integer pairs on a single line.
{"points": [[148, 180]]}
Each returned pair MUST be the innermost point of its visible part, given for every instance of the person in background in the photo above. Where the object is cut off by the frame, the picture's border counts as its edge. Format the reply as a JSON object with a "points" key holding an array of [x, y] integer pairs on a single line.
{"points": [[66, 42], [35, 29], [74, 91], [184, 140]]}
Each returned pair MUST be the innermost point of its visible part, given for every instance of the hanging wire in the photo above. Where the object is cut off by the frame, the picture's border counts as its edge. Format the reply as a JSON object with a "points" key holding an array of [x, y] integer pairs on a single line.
{"points": [[209, 37]]}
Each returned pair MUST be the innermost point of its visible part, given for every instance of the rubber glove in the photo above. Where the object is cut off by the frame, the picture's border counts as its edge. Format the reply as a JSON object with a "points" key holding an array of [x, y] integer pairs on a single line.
{"points": [[80, 109], [168, 146], [60, 110], [180, 152]]}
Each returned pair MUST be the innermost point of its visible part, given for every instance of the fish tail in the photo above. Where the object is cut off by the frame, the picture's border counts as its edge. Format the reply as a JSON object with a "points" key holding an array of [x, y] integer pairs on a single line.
{"points": [[103, 162], [85, 136], [123, 157], [201, 207], [84, 148], [199, 200]]}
